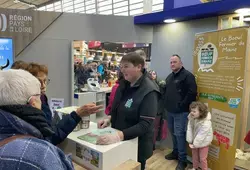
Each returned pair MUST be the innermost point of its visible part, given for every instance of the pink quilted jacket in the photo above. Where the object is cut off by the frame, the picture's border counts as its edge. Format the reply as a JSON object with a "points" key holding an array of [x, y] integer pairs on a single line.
{"points": [[111, 98]]}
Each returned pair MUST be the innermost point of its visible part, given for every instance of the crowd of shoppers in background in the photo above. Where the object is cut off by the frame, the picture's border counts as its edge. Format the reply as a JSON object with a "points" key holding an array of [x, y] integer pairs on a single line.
{"points": [[100, 70]]}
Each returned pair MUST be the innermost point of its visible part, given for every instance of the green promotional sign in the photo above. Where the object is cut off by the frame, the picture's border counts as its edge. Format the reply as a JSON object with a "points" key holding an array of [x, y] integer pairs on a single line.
{"points": [[215, 97]]}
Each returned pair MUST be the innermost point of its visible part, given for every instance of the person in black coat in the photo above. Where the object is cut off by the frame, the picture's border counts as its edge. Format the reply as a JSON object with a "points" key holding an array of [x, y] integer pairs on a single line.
{"points": [[159, 122], [134, 108]]}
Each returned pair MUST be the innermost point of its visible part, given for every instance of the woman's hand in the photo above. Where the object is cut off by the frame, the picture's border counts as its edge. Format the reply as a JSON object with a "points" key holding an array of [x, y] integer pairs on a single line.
{"points": [[88, 109], [190, 117], [110, 138], [103, 123]]}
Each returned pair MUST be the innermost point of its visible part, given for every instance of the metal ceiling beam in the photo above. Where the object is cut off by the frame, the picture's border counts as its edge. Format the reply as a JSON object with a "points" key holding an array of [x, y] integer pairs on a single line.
{"points": [[47, 3], [15, 5], [28, 3], [3, 2]]}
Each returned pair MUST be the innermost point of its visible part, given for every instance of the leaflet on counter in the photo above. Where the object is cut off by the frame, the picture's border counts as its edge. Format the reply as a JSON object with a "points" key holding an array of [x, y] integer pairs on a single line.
{"points": [[92, 136]]}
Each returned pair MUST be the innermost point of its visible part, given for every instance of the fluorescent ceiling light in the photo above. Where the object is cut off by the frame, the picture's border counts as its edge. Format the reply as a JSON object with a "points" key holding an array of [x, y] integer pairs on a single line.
{"points": [[243, 11], [169, 20], [246, 19]]}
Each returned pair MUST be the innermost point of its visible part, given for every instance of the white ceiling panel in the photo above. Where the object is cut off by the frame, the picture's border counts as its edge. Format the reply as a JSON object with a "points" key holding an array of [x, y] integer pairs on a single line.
{"points": [[22, 4]]}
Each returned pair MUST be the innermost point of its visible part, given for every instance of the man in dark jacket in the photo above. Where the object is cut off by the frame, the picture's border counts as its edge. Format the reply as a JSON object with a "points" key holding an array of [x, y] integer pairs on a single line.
{"points": [[180, 92]]}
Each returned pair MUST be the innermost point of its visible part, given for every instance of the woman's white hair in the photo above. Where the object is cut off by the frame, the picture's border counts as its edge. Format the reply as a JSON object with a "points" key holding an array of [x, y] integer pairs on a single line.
{"points": [[17, 86]]}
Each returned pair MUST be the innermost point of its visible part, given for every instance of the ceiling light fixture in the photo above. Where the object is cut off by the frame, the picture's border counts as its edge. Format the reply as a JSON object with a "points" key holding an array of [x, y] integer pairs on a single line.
{"points": [[243, 11], [169, 20]]}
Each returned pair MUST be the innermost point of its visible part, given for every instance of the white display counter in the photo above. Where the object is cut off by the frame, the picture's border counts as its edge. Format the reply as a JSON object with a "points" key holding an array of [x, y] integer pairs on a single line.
{"points": [[103, 89], [99, 157]]}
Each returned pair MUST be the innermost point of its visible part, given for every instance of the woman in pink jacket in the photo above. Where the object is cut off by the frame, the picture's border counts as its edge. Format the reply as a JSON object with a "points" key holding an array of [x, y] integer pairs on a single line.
{"points": [[112, 94]]}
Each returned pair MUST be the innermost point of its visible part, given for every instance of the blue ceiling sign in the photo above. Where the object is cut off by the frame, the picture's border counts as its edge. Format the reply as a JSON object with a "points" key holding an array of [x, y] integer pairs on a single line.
{"points": [[182, 10], [185, 3]]}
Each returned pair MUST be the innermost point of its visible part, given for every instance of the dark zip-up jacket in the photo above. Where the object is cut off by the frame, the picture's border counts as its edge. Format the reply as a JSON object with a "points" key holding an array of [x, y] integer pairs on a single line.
{"points": [[28, 153], [180, 91], [62, 128], [133, 112]]}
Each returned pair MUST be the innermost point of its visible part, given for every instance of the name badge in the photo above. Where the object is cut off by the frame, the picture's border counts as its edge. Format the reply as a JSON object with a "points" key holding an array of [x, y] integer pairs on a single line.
{"points": [[129, 102]]}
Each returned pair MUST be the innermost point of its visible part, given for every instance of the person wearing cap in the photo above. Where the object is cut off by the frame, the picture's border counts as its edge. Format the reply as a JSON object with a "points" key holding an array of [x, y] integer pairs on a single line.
{"points": [[134, 108], [82, 74], [94, 72], [100, 70], [24, 128]]}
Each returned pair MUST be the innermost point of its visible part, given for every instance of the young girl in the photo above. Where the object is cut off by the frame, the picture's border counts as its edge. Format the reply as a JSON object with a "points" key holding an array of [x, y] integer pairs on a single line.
{"points": [[199, 134]]}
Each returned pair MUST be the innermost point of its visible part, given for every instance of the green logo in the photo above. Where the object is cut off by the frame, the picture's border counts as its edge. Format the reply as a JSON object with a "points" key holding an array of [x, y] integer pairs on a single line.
{"points": [[214, 97], [129, 103], [207, 57]]}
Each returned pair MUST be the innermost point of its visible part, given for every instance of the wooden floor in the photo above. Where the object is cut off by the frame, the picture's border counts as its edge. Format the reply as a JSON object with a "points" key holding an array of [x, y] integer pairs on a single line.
{"points": [[156, 162]]}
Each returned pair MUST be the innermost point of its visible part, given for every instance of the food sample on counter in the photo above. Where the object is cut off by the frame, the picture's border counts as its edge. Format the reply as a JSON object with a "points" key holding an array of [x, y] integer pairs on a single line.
{"points": [[92, 136]]}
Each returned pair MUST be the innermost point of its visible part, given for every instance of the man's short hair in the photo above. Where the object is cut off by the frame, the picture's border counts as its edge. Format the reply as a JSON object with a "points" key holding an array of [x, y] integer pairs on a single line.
{"points": [[17, 86], [133, 58], [176, 56]]}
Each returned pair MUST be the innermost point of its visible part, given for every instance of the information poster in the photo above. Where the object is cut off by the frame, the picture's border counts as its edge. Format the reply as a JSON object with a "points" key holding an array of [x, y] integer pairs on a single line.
{"points": [[55, 104], [219, 68], [6, 53], [91, 158]]}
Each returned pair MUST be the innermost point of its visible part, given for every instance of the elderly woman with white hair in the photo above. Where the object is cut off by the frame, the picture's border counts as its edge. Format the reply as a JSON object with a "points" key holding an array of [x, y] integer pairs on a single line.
{"points": [[24, 128]]}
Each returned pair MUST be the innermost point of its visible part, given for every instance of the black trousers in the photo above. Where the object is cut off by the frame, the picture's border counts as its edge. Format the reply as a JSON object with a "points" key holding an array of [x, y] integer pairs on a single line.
{"points": [[143, 163]]}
